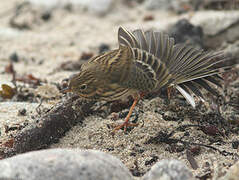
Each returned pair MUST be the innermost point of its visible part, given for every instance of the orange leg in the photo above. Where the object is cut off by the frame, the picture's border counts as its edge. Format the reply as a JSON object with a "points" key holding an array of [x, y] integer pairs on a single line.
{"points": [[126, 122], [169, 90]]}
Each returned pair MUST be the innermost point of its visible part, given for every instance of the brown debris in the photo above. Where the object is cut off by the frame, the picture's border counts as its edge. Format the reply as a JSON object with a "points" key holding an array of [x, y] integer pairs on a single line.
{"points": [[195, 150], [86, 55], [29, 79], [210, 130], [13, 127], [148, 18], [7, 91], [71, 65], [8, 144], [191, 160], [9, 69]]}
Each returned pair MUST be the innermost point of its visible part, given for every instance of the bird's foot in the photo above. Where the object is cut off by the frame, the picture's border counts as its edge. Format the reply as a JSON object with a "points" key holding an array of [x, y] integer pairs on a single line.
{"points": [[124, 125]]}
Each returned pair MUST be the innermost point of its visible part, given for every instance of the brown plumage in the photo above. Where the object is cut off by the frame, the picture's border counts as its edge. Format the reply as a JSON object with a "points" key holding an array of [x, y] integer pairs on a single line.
{"points": [[146, 62]]}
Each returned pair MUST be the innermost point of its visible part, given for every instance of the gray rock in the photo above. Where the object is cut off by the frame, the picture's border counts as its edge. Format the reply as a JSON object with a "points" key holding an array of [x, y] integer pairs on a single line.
{"points": [[158, 4], [232, 173], [100, 7], [233, 50], [232, 34], [169, 170], [65, 164], [183, 31], [177, 6], [214, 22]]}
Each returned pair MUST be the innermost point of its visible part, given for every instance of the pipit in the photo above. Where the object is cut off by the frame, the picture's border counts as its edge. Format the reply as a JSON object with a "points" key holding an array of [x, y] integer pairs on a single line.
{"points": [[146, 62]]}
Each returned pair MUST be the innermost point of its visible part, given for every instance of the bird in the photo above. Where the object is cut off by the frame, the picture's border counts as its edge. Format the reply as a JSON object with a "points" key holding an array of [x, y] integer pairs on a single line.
{"points": [[145, 62]]}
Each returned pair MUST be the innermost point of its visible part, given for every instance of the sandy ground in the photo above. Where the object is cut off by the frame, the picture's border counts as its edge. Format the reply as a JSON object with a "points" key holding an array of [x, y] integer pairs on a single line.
{"points": [[67, 35]]}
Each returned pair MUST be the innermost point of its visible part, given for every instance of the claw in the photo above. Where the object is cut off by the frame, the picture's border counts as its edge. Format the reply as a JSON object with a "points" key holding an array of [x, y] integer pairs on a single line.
{"points": [[126, 122], [124, 125]]}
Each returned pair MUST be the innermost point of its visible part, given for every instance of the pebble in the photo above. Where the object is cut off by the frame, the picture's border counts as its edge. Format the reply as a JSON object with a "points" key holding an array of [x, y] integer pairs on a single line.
{"points": [[14, 57], [103, 48], [235, 144], [22, 112], [46, 16], [168, 170]]}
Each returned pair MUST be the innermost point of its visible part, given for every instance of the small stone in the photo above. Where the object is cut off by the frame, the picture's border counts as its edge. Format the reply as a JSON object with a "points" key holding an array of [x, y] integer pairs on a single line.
{"points": [[46, 16], [235, 144], [103, 48], [14, 57], [169, 170], [58, 164], [22, 112]]}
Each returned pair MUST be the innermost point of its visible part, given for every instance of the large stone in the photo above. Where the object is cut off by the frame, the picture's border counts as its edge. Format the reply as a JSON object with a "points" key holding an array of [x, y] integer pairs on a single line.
{"points": [[214, 22], [100, 7], [64, 164], [178, 6]]}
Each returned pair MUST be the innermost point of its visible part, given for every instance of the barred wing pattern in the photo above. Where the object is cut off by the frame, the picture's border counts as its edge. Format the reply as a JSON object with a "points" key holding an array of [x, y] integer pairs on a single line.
{"points": [[188, 69]]}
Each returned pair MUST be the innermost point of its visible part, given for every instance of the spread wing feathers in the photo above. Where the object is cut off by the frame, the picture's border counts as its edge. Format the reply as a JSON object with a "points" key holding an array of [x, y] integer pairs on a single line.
{"points": [[181, 65], [153, 42]]}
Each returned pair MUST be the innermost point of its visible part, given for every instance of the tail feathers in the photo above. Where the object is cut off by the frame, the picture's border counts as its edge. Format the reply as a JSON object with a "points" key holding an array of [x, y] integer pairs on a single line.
{"points": [[186, 94], [196, 86]]}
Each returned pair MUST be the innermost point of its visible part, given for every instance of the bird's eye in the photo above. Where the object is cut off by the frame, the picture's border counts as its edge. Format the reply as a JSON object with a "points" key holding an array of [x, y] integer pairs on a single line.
{"points": [[83, 87]]}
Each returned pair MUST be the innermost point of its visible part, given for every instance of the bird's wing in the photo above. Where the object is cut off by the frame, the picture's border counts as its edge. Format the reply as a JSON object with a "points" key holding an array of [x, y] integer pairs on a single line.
{"points": [[188, 68]]}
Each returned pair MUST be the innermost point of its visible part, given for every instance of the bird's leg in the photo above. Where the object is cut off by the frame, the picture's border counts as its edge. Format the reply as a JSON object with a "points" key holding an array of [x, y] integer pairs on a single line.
{"points": [[126, 122], [169, 90]]}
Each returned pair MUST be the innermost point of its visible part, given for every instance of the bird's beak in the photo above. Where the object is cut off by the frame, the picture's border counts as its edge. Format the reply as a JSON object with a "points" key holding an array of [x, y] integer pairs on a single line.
{"points": [[68, 89]]}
